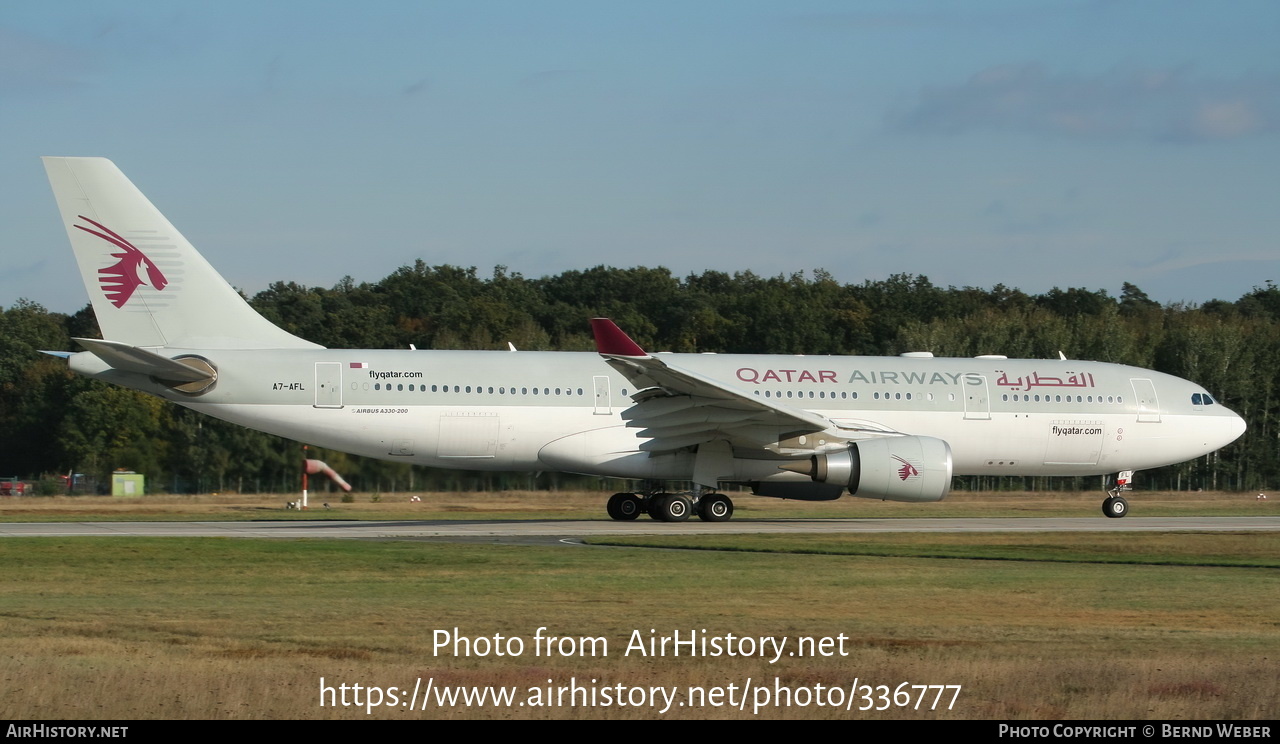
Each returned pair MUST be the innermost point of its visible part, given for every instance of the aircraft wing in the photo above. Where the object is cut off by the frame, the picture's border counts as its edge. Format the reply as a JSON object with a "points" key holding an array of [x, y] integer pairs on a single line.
{"points": [[677, 408]]}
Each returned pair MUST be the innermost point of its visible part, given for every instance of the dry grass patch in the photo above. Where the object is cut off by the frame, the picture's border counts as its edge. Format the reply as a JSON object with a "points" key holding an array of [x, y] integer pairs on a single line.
{"points": [[590, 505], [221, 628]]}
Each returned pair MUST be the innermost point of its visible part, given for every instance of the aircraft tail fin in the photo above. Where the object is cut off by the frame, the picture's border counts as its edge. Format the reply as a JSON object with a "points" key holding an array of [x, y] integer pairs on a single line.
{"points": [[149, 287]]}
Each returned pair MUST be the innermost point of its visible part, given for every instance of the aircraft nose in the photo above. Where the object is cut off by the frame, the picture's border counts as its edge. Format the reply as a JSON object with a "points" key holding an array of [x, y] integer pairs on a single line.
{"points": [[1232, 428]]}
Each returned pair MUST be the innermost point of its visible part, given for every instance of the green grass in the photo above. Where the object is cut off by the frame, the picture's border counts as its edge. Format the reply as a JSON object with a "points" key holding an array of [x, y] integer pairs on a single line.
{"points": [[234, 628], [1243, 549]]}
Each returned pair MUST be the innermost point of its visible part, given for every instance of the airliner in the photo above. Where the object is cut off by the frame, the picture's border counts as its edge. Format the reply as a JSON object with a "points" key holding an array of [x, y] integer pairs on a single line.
{"points": [[792, 427]]}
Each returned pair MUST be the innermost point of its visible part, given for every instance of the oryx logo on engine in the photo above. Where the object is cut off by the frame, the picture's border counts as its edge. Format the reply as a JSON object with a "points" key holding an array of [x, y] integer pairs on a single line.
{"points": [[907, 470]]}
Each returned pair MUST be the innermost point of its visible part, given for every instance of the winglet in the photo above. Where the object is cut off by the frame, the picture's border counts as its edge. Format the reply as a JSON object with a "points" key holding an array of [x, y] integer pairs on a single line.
{"points": [[613, 341]]}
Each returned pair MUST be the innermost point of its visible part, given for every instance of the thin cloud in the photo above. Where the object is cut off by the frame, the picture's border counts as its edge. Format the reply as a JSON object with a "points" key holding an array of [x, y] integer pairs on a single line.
{"points": [[28, 63], [1163, 105], [16, 275], [418, 87], [944, 18]]}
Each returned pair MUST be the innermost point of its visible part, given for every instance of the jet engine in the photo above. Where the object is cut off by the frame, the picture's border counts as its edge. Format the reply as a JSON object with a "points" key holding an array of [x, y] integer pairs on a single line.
{"points": [[887, 468]]}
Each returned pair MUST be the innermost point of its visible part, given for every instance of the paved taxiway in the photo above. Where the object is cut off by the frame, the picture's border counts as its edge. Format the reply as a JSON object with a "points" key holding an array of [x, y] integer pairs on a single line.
{"points": [[521, 530]]}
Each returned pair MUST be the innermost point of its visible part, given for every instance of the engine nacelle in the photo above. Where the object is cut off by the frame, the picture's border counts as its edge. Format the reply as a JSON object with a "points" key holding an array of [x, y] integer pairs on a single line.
{"points": [[887, 468]]}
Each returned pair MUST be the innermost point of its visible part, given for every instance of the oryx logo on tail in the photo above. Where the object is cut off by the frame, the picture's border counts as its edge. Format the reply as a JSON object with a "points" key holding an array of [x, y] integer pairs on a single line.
{"points": [[121, 279]]}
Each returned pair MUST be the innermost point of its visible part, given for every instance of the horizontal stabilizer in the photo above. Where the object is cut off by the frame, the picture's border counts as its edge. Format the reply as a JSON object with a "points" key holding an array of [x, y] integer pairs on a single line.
{"points": [[128, 358]]}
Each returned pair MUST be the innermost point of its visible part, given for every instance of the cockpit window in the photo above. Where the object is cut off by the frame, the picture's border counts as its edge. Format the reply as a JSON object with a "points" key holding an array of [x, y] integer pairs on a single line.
{"points": [[1201, 399]]}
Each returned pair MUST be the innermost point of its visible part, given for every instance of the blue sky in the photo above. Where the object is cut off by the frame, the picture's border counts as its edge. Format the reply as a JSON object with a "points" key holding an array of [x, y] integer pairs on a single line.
{"points": [[1070, 144]]}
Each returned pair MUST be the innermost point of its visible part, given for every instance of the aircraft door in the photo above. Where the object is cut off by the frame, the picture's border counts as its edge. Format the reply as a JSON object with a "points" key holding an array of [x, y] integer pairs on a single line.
{"points": [[1148, 405], [328, 385], [977, 403], [603, 404]]}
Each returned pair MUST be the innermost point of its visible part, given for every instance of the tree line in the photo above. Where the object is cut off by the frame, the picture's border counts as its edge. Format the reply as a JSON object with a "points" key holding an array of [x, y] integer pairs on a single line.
{"points": [[54, 423]]}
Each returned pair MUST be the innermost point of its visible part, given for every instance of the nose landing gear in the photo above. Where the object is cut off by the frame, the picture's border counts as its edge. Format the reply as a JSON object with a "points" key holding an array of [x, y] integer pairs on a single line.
{"points": [[1114, 506]]}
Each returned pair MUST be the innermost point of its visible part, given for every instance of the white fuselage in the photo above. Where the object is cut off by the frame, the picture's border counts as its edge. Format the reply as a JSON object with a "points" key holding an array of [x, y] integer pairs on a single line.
{"points": [[561, 411]]}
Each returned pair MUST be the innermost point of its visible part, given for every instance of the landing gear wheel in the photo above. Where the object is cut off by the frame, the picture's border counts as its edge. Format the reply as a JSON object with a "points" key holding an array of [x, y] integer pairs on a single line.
{"points": [[715, 508], [671, 507], [1115, 507], [624, 507]]}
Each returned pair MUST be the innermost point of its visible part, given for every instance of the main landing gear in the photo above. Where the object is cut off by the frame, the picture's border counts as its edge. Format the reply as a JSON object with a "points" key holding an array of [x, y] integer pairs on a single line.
{"points": [[671, 507], [1114, 506]]}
